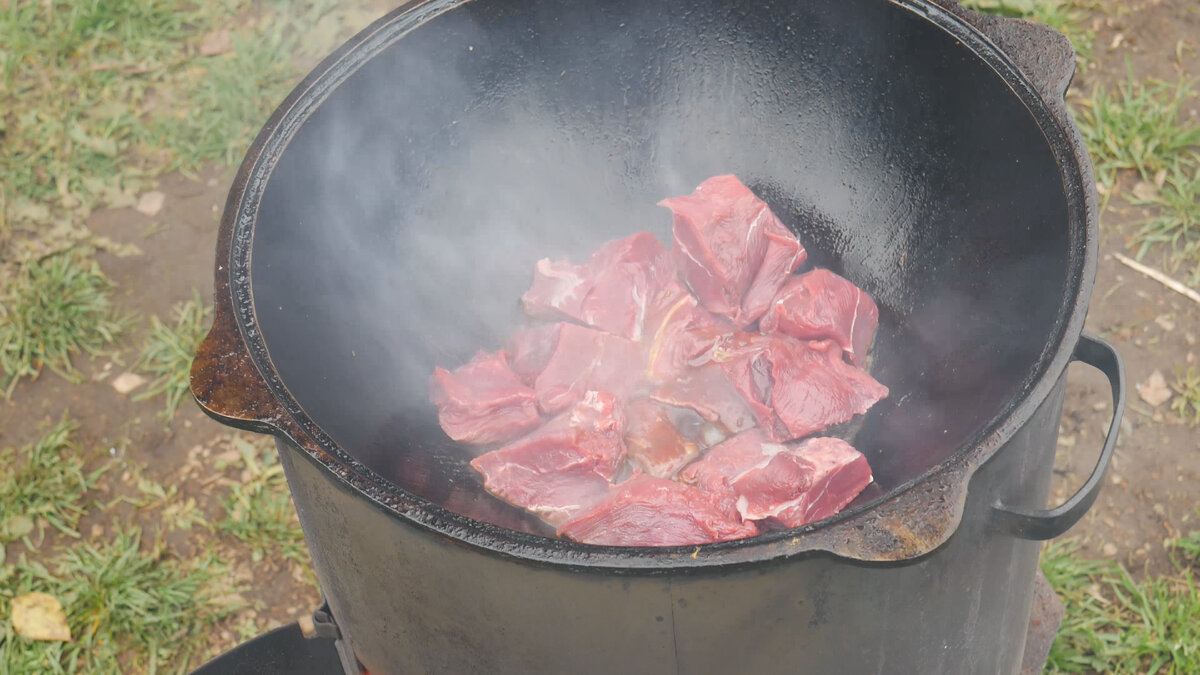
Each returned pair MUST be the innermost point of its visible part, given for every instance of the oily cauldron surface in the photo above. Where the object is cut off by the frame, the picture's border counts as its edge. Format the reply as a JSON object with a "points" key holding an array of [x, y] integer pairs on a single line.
{"points": [[389, 216]]}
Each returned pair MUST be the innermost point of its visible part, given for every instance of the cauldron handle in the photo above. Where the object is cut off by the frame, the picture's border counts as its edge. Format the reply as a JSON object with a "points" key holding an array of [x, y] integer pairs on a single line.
{"points": [[1039, 524], [225, 380], [1044, 55]]}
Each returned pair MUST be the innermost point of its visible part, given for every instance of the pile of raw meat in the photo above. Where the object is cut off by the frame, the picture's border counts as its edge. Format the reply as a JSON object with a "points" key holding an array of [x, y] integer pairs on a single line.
{"points": [[662, 401]]}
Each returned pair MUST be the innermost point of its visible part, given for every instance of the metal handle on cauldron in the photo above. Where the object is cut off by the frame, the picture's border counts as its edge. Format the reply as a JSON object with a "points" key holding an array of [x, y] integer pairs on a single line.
{"points": [[1041, 524], [1044, 55]]}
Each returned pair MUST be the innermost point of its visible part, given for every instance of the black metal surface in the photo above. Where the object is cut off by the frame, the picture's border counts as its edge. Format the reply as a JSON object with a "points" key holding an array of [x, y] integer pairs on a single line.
{"points": [[409, 602], [406, 188], [1042, 524], [387, 219], [283, 651]]}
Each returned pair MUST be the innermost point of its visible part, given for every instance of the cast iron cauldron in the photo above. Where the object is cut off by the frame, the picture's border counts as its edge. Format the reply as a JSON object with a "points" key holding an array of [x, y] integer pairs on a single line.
{"points": [[388, 217]]}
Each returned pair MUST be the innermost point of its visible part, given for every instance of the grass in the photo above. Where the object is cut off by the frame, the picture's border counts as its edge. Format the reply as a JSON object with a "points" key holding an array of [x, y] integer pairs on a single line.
{"points": [[1063, 15], [102, 96], [259, 512], [1187, 399], [1175, 226], [1138, 126], [56, 308], [43, 483], [129, 610], [168, 351], [1116, 624]]}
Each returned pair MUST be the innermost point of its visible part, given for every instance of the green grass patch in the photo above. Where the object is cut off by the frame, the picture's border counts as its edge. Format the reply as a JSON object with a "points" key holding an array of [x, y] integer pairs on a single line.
{"points": [[44, 483], [102, 96], [1138, 126], [259, 512], [168, 350], [56, 308], [1187, 395], [129, 610], [1116, 624], [1175, 228]]}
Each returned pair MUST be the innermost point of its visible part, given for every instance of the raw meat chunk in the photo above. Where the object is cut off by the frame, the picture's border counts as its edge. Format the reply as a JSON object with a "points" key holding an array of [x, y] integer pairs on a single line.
{"points": [[709, 392], [799, 388], [483, 401], [656, 439], [821, 305], [585, 359], [839, 473], [530, 350], [683, 335], [731, 249], [649, 511], [564, 467], [622, 281], [788, 484], [727, 461]]}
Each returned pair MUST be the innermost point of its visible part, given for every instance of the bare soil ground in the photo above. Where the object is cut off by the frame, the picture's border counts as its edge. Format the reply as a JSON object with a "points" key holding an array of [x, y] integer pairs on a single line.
{"points": [[1152, 491]]}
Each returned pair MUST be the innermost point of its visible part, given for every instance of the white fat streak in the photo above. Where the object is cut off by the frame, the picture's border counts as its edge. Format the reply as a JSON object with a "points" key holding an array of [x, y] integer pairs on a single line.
{"points": [[769, 450], [640, 303], [566, 282], [712, 434], [854, 320], [755, 224], [656, 346]]}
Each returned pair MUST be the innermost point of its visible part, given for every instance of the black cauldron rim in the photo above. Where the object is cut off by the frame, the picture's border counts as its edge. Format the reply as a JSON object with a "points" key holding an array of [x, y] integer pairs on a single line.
{"points": [[234, 380]]}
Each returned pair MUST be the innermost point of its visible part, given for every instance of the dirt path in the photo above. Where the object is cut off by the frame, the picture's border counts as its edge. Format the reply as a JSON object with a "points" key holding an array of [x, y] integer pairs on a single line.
{"points": [[1152, 492]]}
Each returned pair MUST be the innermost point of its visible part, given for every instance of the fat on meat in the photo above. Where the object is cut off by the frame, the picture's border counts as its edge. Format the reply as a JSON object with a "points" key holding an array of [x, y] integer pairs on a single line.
{"points": [[684, 333], [797, 388], [821, 305], [786, 484], [623, 281], [838, 474], [650, 511], [483, 401], [585, 359], [731, 250], [564, 467]]}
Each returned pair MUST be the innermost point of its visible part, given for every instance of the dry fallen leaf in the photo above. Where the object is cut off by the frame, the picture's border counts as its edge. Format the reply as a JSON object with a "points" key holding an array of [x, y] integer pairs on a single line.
{"points": [[216, 42], [1160, 178], [1155, 390], [39, 616], [150, 203], [127, 382], [18, 526], [1144, 191], [1165, 322]]}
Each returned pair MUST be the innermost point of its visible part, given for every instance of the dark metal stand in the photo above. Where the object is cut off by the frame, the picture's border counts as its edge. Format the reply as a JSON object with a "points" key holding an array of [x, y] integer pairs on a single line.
{"points": [[1044, 620], [289, 651]]}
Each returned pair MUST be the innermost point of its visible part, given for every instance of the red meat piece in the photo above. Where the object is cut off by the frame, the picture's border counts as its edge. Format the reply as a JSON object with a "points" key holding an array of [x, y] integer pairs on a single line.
{"points": [[585, 359], [530, 350], [622, 281], [838, 473], [708, 391], [657, 439], [564, 467], [788, 484], [799, 388], [685, 333], [731, 249], [649, 511], [483, 401], [821, 305]]}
